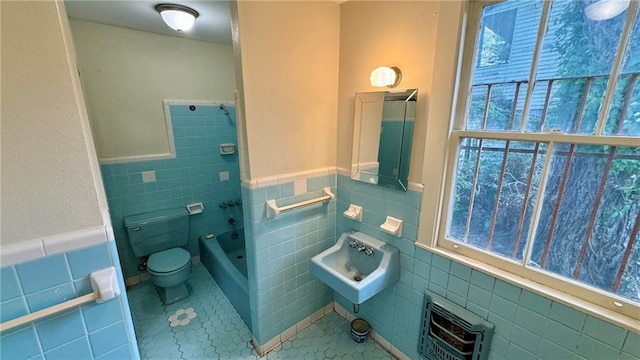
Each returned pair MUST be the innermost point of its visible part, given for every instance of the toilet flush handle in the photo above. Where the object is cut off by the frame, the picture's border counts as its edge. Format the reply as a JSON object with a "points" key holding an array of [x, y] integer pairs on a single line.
{"points": [[137, 228]]}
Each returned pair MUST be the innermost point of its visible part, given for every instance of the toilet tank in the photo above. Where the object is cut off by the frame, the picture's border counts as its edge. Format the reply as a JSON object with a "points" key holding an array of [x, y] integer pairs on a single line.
{"points": [[157, 230]]}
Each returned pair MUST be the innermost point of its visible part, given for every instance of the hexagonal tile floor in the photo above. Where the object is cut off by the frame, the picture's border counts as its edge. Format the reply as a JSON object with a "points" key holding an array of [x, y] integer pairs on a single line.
{"points": [[206, 326]]}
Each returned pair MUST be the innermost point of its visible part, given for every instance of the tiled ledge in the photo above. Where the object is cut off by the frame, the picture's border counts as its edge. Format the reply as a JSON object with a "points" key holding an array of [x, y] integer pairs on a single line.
{"points": [[304, 323], [35, 249], [267, 181], [413, 186]]}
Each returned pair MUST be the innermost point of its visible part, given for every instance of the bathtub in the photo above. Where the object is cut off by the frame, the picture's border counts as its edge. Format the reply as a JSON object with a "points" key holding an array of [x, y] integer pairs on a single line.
{"points": [[225, 259]]}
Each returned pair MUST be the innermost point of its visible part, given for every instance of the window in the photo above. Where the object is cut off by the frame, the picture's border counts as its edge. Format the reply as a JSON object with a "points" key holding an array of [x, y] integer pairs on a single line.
{"points": [[544, 156]]}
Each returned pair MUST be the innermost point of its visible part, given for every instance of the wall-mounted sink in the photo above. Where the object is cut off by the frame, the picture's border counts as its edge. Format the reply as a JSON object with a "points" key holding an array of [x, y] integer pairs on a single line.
{"points": [[357, 266]]}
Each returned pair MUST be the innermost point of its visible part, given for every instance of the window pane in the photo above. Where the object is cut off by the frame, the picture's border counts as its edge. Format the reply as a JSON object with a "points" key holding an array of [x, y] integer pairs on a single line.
{"points": [[590, 207], [539, 108], [624, 114], [569, 111], [576, 45], [580, 51], [500, 198], [496, 37], [477, 106], [465, 170], [505, 107], [485, 192], [506, 40]]}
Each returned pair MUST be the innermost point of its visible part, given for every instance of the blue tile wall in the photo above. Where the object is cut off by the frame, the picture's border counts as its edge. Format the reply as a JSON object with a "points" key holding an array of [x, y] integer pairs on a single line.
{"points": [[282, 290], [527, 326], [193, 176], [85, 332]]}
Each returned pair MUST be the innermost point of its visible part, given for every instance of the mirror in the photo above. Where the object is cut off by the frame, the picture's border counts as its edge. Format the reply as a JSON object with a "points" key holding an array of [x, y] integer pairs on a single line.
{"points": [[382, 137]]}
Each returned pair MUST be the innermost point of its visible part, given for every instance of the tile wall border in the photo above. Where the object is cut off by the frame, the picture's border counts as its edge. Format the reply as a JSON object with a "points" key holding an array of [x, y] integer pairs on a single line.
{"points": [[267, 181], [30, 250], [35, 249], [412, 186]]}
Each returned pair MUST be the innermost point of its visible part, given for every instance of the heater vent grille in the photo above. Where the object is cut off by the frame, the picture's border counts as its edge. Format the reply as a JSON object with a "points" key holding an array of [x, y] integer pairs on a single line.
{"points": [[450, 332]]}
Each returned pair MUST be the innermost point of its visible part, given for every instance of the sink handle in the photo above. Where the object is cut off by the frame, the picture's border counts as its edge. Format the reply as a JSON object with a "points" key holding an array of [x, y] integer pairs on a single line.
{"points": [[353, 243], [369, 252]]}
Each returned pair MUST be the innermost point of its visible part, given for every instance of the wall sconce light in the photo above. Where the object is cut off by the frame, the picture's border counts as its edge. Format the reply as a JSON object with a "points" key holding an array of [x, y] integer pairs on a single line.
{"points": [[385, 76], [606, 9], [177, 17]]}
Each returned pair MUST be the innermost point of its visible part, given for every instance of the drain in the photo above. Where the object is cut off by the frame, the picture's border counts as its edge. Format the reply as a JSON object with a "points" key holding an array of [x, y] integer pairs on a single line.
{"points": [[357, 278]]}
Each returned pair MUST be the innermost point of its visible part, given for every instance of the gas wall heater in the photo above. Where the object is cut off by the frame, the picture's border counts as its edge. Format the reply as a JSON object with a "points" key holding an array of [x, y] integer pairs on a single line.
{"points": [[450, 332]]}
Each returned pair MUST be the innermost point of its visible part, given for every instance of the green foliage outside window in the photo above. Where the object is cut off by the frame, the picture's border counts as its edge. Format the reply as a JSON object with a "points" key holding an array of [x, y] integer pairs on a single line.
{"points": [[584, 48]]}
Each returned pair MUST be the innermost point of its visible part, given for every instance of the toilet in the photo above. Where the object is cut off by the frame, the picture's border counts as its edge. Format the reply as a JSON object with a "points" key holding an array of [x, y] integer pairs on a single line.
{"points": [[161, 235]]}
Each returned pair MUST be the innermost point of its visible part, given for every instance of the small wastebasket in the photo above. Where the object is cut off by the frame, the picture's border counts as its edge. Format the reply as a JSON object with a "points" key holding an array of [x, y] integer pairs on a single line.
{"points": [[360, 330]]}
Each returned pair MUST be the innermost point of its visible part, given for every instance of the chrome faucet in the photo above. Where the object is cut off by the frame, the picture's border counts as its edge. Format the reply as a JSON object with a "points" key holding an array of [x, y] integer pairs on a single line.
{"points": [[361, 247], [369, 252]]}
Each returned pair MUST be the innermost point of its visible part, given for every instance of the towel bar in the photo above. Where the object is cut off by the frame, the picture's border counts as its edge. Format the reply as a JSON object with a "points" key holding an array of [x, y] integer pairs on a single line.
{"points": [[273, 209], [103, 282]]}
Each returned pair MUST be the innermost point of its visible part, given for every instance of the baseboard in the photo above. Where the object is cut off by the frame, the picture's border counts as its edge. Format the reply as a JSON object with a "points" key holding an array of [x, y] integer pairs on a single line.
{"points": [[303, 324], [270, 345], [394, 351]]}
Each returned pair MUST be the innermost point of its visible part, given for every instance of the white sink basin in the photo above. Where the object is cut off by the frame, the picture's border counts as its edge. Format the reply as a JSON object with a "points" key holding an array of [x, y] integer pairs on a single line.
{"points": [[354, 274]]}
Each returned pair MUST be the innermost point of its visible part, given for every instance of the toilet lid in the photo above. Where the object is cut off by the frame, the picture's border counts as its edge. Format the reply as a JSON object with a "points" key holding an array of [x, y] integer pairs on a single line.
{"points": [[168, 260]]}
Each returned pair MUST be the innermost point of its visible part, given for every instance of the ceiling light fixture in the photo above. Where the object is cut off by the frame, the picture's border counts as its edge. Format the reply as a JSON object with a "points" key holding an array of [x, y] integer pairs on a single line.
{"points": [[385, 76], [606, 9], [177, 17]]}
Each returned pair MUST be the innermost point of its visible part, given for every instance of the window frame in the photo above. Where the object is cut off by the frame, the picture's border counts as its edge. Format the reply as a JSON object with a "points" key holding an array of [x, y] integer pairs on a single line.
{"points": [[609, 306]]}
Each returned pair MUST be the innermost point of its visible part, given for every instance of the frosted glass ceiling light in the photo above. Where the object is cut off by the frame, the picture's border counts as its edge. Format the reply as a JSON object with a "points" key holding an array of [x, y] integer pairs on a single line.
{"points": [[177, 17], [606, 9], [385, 76]]}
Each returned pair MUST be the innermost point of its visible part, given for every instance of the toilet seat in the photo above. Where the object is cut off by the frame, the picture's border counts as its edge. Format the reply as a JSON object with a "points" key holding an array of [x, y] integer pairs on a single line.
{"points": [[168, 261]]}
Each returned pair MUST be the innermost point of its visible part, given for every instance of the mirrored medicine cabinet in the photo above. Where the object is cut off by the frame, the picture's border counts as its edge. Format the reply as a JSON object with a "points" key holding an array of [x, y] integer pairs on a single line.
{"points": [[382, 137]]}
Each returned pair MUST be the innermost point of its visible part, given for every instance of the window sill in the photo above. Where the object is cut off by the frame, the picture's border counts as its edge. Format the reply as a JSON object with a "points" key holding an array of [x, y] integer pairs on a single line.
{"points": [[596, 311]]}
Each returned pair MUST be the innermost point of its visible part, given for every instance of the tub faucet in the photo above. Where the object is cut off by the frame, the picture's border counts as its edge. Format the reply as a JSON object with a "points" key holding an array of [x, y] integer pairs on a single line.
{"points": [[232, 222], [361, 247]]}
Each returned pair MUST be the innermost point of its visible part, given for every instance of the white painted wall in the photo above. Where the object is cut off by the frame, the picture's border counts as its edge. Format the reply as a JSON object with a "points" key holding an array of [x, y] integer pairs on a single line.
{"points": [[419, 37], [127, 73], [50, 178], [389, 33], [290, 79]]}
